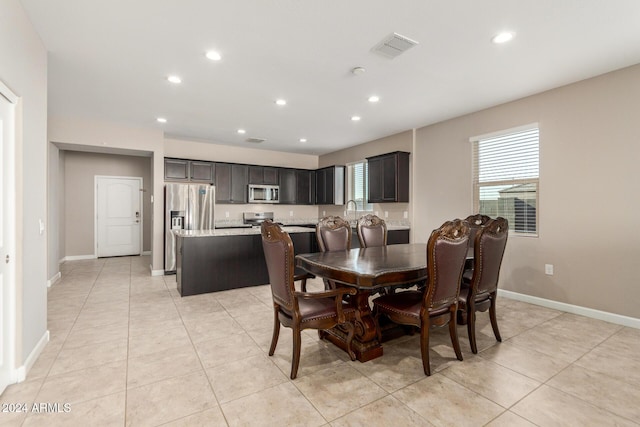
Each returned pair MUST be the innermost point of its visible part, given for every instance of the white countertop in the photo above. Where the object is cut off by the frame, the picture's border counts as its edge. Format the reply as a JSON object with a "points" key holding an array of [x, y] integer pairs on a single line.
{"points": [[236, 231], [256, 230]]}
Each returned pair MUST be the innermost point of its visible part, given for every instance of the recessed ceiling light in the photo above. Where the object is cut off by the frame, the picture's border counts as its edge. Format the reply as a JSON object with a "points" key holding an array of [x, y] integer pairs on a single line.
{"points": [[161, 120], [303, 139], [213, 55], [174, 79], [242, 131], [502, 37], [355, 118], [374, 98], [281, 102]]}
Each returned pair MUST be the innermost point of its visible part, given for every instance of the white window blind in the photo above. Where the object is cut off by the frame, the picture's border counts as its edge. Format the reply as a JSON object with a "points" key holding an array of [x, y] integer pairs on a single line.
{"points": [[505, 178], [358, 185]]}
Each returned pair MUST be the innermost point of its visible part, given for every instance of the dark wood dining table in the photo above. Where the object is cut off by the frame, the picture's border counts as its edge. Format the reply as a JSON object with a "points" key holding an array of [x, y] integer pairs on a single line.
{"points": [[366, 269]]}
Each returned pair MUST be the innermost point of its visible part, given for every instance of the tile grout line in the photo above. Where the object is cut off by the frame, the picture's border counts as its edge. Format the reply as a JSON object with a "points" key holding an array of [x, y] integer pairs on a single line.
{"points": [[204, 371]]}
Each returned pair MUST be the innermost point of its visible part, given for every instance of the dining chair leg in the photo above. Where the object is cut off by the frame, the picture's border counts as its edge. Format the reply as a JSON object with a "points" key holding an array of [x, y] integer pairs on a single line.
{"points": [[424, 346], [492, 317], [471, 328], [453, 331], [276, 332], [295, 360]]}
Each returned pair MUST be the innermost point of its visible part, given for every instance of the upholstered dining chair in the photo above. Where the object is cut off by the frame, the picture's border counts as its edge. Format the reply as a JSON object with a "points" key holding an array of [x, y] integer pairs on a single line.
{"points": [[333, 234], [437, 305], [476, 223], [372, 231], [300, 310], [479, 293]]}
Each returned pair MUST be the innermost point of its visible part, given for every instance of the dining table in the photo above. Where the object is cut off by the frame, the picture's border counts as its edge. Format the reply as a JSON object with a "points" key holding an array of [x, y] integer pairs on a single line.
{"points": [[367, 270]]}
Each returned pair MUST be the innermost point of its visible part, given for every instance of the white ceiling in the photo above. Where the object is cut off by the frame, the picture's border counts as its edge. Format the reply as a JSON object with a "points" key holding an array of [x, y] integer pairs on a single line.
{"points": [[110, 59]]}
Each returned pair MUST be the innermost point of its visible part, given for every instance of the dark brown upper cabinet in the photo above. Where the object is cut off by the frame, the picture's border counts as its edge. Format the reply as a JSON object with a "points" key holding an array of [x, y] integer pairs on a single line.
{"points": [[231, 183], [176, 170], [263, 175], [188, 170], [202, 171], [305, 187], [389, 177], [288, 186], [330, 185]]}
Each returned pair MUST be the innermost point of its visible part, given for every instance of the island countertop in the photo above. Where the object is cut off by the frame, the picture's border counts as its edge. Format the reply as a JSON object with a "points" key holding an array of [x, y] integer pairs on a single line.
{"points": [[236, 231], [245, 231]]}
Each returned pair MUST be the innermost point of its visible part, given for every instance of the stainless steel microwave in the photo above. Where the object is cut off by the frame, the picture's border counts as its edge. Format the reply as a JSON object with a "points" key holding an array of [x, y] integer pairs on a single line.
{"points": [[264, 193]]}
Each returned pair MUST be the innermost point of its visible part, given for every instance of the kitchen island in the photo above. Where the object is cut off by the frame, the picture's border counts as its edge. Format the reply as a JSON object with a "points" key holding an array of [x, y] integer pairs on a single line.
{"points": [[221, 259], [229, 258]]}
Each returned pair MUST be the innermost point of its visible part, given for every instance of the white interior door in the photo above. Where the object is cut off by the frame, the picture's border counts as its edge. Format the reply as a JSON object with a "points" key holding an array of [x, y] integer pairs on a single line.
{"points": [[7, 238], [119, 216]]}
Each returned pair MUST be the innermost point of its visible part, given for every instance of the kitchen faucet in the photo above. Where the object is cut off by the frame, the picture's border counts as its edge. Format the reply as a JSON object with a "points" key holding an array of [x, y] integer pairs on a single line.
{"points": [[355, 210]]}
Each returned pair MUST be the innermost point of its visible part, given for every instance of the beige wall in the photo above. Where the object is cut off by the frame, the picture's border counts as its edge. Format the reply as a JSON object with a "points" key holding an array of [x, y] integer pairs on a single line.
{"points": [[399, 142], [23, 69], [589, 175], [81, 168], [225, 153]]}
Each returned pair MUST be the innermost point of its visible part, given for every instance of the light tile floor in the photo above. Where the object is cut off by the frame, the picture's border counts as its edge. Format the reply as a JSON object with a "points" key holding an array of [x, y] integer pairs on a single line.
{"points": [[126, 349]]}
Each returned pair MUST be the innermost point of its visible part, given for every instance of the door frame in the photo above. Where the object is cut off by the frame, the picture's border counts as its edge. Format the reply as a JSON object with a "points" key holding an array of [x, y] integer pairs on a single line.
{"points": [[10, 342], [95, 209]]}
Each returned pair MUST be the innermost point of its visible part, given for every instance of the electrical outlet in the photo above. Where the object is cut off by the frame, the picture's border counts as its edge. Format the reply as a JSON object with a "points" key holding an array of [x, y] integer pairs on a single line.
{"points": [[405, 215], [290, 213], [226, 214], [548, 269], [386, 214], [324, 213], [376, 213]]}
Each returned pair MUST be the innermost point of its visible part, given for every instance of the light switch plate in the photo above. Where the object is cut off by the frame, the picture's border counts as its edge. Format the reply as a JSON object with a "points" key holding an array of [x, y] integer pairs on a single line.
{"points": [[548, 269]]}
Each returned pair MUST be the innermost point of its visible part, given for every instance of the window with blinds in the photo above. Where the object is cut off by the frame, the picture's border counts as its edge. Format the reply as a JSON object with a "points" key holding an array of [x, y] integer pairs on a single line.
{"points": [[358, 186], [505, 177]]}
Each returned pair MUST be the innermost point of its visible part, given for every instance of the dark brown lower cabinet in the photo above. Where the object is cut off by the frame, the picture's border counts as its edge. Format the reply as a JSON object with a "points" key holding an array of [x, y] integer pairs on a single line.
{"points": [[217, 263], [394, 237]]}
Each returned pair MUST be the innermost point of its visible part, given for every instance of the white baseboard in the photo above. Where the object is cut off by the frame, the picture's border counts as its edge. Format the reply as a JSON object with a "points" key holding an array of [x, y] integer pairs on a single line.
{"points": [[54, 279], [79, 257], [618, 319], [146, 253], [23, 370], [156, 272]]}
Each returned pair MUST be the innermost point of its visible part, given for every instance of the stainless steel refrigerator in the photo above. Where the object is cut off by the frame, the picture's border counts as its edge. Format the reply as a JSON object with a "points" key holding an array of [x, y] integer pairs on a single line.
{"points": [[187, 207]]}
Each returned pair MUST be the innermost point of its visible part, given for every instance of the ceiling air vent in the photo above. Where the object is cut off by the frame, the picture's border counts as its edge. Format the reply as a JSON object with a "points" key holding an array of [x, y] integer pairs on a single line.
{"points": [[394, 45], [256, 140]]}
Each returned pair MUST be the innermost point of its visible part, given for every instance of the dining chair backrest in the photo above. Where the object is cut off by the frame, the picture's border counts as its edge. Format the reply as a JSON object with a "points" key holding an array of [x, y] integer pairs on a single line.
{"points": [[279, 255], [446, 254], [476, 222], [488, 253], [372, 231], [333, 234]]}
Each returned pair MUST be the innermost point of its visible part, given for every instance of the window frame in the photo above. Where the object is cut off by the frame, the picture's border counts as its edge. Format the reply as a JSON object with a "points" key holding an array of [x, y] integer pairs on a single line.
{"points": [[366, 207], [477, 185]]}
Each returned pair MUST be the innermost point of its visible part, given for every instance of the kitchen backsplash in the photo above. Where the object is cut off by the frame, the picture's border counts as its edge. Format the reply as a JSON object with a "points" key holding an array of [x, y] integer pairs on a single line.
{"points": [[392, 213]]}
